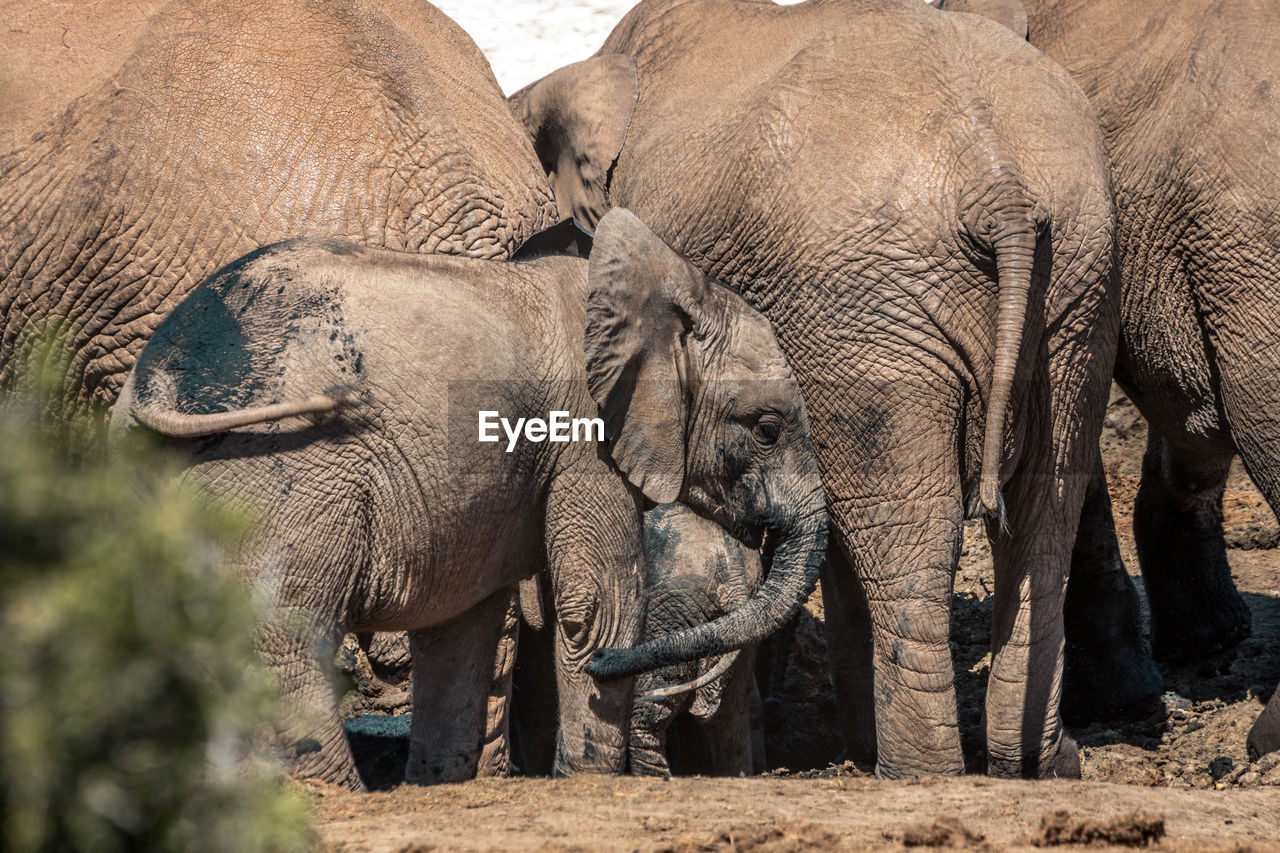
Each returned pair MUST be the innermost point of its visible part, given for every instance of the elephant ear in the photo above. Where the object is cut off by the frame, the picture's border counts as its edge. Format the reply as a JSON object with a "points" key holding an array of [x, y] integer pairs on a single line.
{"points": [[643, 302], [577, 118], [1010, 13]]}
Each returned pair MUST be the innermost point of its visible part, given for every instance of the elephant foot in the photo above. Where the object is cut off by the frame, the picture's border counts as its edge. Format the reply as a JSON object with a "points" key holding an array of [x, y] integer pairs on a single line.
{"points": [[1264, 737], [310, 760], [1192, 621], [1106, 689], [1108, 672], [1196, 610], [1061, 761], [1120, 683]]}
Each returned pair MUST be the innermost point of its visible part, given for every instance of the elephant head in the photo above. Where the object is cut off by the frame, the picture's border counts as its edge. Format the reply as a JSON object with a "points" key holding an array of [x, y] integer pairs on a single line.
{"points": [[694, 572], [700, 406]]}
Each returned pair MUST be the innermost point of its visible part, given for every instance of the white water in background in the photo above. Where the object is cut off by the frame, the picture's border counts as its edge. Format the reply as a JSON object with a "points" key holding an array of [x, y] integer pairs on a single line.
{"points": [[528, 39]]}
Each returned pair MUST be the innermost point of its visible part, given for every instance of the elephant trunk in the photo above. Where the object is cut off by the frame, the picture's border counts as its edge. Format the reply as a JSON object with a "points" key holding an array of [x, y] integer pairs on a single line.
{"points": [[181, 425], [801, 547], [1015, 250]]}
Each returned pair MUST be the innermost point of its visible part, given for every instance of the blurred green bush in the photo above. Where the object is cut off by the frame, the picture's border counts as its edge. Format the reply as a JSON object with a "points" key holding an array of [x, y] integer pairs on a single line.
{"points": [[130, 694]]}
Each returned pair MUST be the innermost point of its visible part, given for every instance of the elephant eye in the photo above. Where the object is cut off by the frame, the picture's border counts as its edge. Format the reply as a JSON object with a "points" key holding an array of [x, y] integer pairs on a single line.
{"points": [[767, 429], [576, 616]]}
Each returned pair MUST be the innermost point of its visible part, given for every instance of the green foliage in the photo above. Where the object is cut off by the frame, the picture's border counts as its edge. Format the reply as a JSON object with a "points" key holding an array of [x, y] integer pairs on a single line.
{"points": [[130, 692]]}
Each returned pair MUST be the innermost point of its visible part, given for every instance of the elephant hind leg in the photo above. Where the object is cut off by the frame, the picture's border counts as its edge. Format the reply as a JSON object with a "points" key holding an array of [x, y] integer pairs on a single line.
{"points": [[314, 743], [303, 576], [457, 665], [909, 548], [1108, 672], [728, 731], [1032, 561], [1196, 609]]}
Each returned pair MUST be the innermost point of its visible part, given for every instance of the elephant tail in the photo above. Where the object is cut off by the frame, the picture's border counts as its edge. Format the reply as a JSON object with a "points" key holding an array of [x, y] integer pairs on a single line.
{"points": [[1014, 242], [181, 425]]}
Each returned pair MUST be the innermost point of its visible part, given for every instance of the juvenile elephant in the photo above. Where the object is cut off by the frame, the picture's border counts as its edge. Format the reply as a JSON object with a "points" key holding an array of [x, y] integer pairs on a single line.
{"points": [[390, 512], [1186, 95], [919, 202], [694, 573], [223, 125]]}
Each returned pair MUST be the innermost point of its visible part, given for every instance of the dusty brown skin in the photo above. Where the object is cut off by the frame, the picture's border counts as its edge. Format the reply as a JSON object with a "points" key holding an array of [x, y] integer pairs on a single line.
{"points": [[919, 203], [389, 514], [1186, 97], [224, 126]]}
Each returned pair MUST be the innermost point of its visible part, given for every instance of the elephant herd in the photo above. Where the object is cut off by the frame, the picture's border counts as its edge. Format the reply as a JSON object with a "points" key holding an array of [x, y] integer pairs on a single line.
{"points": [[834, 277]]}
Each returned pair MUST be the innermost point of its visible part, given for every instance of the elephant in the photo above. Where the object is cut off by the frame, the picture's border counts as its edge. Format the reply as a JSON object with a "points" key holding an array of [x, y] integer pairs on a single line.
{"points": [[919, 202], [217, 127], [695, 572], [1264, 735], [395, 502], [1188, 112]]}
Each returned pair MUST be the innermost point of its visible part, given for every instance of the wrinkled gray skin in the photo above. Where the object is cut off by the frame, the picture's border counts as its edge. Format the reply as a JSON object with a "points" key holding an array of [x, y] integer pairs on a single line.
{"points": [[695, 572], [223, 125], [1186, 96], [388, 514], [918, 201]]}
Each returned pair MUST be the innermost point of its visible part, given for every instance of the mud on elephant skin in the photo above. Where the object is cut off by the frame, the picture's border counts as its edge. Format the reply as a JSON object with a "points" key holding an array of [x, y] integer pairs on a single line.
{"points": [[919, 202], [381, 511], [224, 126]]}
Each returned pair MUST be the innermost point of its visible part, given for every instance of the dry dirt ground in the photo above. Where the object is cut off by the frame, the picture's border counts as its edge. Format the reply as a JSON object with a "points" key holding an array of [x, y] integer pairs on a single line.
{"points": [[1177, 779]]}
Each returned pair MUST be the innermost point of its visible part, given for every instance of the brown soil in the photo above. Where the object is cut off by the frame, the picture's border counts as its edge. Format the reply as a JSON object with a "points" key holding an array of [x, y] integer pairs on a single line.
{"points": [[1179, 779], [791, 814]]}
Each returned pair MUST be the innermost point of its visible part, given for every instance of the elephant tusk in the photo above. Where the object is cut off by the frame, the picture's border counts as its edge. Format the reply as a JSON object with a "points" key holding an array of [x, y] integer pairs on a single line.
{"points": [[707, 677]]}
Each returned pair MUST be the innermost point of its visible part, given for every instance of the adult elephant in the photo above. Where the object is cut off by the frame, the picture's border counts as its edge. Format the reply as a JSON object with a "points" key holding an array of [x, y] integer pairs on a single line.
{"points": [[919, 203], [392, 512], [1186, 96], [230, 125]]}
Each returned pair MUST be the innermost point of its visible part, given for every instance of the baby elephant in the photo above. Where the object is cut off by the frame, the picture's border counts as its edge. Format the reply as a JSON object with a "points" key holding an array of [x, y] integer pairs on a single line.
{"points": [[695, 572], [416, 435]]}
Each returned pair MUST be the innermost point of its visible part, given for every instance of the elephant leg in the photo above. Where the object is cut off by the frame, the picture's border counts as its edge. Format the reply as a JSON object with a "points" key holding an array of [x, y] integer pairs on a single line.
{"points": [[1025, 735], [907, 546], [851, 653], [1032, 561], [647, 751], [755, 719], [291, 644], [495, 750], [1177, 524], [1108, 671], [594, 559], [533, 712], [453, 670], [728, 730], [1264, 737]]}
